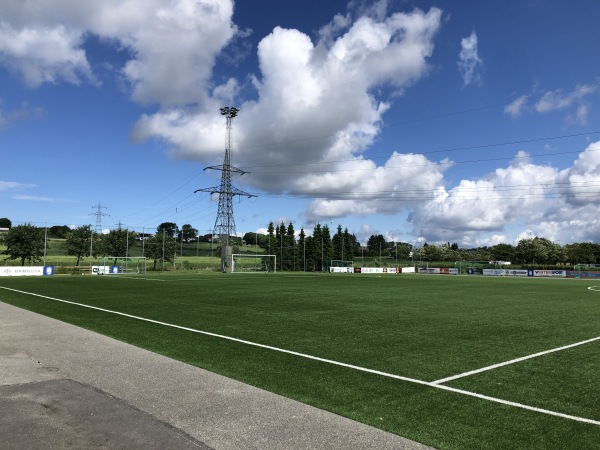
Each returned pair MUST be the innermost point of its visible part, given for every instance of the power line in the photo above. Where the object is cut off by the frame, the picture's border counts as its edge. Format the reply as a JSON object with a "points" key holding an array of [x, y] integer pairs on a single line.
{"points": [[446, 150]]}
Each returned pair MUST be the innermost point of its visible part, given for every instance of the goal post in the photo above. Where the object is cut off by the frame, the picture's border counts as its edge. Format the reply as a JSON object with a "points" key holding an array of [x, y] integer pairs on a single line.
{"points": [[246, 262], [115, 265]]}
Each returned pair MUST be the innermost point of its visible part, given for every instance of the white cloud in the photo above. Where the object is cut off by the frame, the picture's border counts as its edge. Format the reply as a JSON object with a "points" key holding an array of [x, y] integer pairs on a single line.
{"points": [[24, 112], [37, 198], [469, 61], [573, 102], [582, 180], [515, 108], [44, 55], [487, 205], [325, 87], [173, 46], [558, 99], [10, 185], [33, 198], [537, 200]]}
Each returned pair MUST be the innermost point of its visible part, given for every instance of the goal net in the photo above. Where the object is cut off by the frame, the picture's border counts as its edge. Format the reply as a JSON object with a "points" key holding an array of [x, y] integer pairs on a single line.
{"points": [[586, 270], [244, 262], [115, 265]]}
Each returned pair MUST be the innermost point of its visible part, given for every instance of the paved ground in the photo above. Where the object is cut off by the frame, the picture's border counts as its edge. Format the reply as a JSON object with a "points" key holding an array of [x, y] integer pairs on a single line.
{"points": [[65, 387]]}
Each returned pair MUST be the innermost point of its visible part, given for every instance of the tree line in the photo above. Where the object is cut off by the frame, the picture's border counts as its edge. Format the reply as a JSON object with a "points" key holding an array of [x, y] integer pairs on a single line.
{"points": [[27, 243], [294, 251]]}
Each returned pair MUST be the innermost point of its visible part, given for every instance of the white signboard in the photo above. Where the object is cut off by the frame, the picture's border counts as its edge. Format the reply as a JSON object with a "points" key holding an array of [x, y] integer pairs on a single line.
{"points": [[341, 270], [22, 271], [100, 270]]}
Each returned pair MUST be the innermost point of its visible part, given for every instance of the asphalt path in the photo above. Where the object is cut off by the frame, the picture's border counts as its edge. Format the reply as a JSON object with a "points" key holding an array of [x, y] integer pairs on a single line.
{"points": [[65, 387]]}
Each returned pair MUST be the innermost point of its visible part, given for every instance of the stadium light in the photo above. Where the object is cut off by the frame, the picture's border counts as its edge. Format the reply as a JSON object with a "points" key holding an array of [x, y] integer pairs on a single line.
{"points": [[229, 111]]}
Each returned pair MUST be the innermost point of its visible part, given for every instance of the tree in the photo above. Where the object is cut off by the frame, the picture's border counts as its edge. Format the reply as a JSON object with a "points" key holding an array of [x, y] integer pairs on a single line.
{"points": [[432, 252], [169, 228], [255, 239], [503, 252], [327, 245], [376, 244], [580, 253], [25, 242], [302, 247], [77, 242], [5, 223], [270, 244], [314, 249], [160, 246], [117, 243], [534, 251], [187, 233], [58, 231], [286, 246]]}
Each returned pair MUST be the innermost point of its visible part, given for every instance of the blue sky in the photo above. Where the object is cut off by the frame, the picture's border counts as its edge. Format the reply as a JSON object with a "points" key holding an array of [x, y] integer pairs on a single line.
{"points": [[469, 122]]}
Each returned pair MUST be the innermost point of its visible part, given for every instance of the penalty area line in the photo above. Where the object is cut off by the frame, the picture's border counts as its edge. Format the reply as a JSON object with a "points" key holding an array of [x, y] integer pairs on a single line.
{"points": [[324, 360], [514, 361]]}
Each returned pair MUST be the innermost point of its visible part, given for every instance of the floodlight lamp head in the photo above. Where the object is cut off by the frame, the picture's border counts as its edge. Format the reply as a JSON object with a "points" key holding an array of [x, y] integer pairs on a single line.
{"points": [[230, 112]]}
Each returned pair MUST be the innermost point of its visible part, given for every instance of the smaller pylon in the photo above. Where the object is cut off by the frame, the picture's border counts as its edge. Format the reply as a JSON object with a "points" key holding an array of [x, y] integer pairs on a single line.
{"points": [[99, 214]]}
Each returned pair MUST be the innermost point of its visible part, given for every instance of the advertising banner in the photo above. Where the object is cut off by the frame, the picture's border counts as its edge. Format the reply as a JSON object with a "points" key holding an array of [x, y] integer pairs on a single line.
{"points": [[334, 269], [550, 273], [438, 270], [21, 271], [100, 270], [371, 270], [583, 274], [506, 272], [407, 270]]}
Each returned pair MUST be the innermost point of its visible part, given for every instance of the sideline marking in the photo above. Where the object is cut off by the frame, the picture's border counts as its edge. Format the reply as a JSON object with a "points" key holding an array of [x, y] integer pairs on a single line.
{"points": [[328, 361], [513, 361], [134, 277]]}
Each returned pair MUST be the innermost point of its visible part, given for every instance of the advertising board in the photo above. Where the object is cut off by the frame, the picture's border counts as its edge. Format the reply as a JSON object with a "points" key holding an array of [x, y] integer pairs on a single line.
{"points": [[22, 271]]}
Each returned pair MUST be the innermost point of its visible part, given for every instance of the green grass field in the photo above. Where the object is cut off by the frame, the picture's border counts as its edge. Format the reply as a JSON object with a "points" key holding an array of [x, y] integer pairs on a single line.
{"points": [[422, 329]]}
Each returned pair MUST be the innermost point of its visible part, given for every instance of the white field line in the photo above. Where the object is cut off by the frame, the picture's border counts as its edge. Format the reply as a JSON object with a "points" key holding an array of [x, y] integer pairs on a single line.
{"points": [[328, 361], [513, 361], [134, 277]]}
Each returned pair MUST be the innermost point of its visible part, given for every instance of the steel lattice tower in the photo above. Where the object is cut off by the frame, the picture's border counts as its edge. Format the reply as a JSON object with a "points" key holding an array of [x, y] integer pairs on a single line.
{"points": [[98, 214], [225, 222]]}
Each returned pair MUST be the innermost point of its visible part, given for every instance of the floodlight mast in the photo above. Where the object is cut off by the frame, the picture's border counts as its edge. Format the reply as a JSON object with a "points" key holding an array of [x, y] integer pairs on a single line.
{"points": [[225, 222]]}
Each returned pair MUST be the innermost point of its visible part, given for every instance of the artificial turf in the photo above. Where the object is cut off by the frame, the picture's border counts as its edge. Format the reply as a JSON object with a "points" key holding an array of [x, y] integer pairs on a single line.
{"points": [[425, 327]]}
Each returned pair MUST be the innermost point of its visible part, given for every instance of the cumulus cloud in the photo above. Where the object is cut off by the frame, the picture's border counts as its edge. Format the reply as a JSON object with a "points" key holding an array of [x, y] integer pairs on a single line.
{"points": [[486, 205], [325, 87], [172, 46], [560, 205], [582, 180], [469, 61]]}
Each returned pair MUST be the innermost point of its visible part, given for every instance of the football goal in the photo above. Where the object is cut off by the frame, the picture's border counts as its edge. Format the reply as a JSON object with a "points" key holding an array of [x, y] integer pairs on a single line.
{"points": [[245, 262], [586, 271], [115, 265]]}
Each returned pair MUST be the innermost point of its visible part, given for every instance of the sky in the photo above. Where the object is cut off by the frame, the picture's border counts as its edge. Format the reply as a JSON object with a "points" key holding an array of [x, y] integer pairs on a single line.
{"points": [[469, 122]]}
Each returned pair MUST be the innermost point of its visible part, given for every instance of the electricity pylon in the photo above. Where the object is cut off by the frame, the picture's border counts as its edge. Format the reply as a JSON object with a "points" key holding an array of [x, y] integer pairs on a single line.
{"points": [[225, 222], [98, 214]]}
